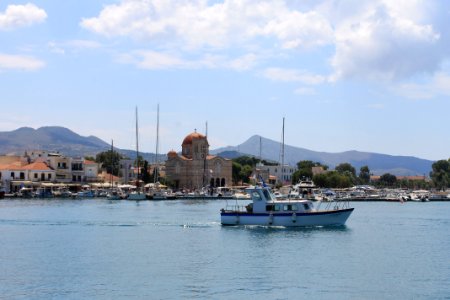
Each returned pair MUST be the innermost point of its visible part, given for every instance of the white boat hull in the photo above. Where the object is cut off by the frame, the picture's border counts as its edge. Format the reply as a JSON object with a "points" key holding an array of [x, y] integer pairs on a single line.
{"points": [[137, 196], [321, 218]]}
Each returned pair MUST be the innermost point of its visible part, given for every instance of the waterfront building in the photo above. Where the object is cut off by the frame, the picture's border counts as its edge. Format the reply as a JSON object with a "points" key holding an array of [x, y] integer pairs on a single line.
{"points": [[195, 168], [274, 174], [91, 170], [36, 167], [18, 174], [126, 170]]}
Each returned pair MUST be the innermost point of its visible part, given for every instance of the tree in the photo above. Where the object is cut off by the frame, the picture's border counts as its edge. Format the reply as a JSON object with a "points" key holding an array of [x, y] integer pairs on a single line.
{"points": [[388, 180], [345, 167], [321, 180], [364, 175], [110, 161], [139, 161], [145, 175], [305, 170], [440, 174], [245, 173], [305, 164], [236, 170]]}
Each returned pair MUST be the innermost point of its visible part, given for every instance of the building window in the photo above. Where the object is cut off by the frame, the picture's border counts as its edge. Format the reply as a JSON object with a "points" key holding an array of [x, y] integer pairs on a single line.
{"points": [[49, 176], [42, 176], [35, 176], [12, 175]]}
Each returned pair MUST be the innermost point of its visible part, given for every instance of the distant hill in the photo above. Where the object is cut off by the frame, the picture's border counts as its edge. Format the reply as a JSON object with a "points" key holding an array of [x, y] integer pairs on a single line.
{"points": [[58, 139], [67, 142], [378, 163]]}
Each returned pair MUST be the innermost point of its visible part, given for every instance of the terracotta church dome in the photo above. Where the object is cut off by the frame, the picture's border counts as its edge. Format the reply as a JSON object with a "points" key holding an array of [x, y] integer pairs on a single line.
{"points": [[189, 138], [172, 153]]}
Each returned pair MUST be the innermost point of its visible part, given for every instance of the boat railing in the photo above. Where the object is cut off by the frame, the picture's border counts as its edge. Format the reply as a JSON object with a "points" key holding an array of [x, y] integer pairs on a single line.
{"points": [[335, 204]]}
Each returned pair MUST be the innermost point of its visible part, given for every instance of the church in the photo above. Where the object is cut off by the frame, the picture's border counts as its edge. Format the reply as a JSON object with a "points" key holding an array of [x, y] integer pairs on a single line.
{"points": [[195, 167]]}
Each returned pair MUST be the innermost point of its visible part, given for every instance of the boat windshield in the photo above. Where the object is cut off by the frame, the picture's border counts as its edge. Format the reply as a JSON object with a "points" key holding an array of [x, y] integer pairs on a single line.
{"points": [[268, 195]]}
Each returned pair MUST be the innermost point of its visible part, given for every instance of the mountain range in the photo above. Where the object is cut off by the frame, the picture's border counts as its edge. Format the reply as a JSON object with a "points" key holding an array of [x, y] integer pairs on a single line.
{"points": [[67, 142], [378, 163], [58, 139]]}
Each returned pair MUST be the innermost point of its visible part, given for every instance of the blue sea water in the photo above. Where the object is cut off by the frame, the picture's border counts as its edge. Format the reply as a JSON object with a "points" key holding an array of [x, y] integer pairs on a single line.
{"points": [[99, 249]]}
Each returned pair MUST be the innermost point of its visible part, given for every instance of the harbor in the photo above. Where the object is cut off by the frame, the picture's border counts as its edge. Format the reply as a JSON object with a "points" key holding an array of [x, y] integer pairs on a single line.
{"points": [[103, 249], [355, 194]]}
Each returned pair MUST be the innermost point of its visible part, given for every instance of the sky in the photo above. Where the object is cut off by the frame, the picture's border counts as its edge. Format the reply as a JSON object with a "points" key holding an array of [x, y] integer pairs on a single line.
{"points": [[366, 75]]}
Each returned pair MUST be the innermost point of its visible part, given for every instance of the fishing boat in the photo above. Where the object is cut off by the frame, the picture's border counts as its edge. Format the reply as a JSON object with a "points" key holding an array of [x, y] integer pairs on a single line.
{"points": [[266, 210]]}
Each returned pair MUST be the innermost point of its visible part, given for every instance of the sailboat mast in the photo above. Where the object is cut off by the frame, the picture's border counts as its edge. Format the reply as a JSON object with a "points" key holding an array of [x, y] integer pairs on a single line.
{"points": [[282, 154], [204, 183], [112, 161], [137, 147], [260, 149], [157, 146]]}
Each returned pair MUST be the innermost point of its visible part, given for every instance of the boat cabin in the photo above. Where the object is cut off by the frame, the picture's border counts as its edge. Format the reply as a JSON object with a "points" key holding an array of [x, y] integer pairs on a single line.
{"points": [[264, 201]]}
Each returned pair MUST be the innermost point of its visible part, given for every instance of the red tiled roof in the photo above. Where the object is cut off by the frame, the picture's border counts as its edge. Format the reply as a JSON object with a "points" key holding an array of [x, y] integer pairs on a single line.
{"points": [[37, 166], [89, 162], [13, 166]]}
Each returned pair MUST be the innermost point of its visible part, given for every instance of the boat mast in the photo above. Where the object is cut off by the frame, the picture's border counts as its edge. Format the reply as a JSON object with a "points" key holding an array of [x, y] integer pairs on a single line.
{"points": [[112, 162], [260, 149], [157, 146], [282, 154], [204, 158], [137, 148]]}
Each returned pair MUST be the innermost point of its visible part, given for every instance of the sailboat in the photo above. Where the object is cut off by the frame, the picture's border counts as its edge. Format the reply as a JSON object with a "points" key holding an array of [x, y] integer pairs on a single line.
{"points": [[157, 193], [137, 194]]}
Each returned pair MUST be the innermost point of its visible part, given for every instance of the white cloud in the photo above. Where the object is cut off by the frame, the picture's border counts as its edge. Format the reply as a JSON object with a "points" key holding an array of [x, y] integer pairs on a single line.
{"points": [[16, 16], [19, 62], [305, 91], [371, 39], [385, 41], [295, 29], [195, 24], [439, 85], [154, 60], [292, 75], [73, 46]]}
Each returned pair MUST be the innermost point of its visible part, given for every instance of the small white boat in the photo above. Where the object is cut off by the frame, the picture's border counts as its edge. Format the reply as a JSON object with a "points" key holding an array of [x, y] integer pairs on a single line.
{"points": [[137, 196], [114, 194], [265, 210]]}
